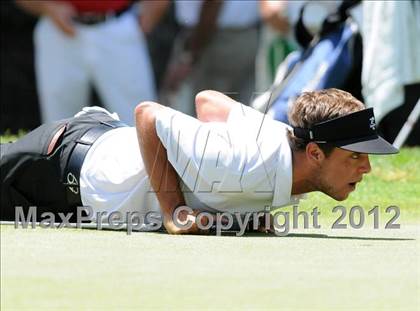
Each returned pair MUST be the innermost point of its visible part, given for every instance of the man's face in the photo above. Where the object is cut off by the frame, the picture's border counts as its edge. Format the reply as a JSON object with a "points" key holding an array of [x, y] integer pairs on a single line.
{"points": [[340, 172]]}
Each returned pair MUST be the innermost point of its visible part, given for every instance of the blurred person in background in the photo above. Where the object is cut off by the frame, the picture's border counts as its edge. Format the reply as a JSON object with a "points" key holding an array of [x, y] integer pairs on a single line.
{"points": [[160, 35], [84, 43], [328, 51], [215, 49], [279, 35], [276, 41], [391, 64]]}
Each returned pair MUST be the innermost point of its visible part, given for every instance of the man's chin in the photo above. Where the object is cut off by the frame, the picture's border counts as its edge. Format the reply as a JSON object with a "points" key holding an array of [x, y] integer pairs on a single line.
{"points": [[338, 197], [341, 198]]}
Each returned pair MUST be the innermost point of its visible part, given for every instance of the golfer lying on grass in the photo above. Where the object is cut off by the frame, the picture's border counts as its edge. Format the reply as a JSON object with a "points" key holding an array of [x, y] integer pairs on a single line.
{"points": [[231, 159]]}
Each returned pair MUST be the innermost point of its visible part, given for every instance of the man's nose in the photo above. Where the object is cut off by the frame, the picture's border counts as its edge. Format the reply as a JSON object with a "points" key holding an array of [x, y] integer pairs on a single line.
{"points": [[365, 167]]}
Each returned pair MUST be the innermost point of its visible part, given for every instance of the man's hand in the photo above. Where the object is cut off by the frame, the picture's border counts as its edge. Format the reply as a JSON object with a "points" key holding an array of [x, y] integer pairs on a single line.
{"points": [[184, 219], [266, 227], [62, 13]]}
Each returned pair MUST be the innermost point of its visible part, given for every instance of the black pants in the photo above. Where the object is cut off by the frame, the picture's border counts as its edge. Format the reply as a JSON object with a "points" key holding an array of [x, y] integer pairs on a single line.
{"points": [[32, 176]]}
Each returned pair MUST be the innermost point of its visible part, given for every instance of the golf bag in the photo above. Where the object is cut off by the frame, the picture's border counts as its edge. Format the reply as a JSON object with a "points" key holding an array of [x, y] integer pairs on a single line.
{"points": [[332, 58]]}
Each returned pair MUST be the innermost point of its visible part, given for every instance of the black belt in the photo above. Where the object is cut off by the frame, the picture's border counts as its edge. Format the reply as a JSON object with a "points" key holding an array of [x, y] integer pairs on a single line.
{"points": [[74, 165], [92, 18]]}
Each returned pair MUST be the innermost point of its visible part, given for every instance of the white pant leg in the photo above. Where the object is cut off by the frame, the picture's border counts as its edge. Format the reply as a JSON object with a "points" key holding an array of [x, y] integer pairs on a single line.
{"points": [[120, 65], [62, 77]]}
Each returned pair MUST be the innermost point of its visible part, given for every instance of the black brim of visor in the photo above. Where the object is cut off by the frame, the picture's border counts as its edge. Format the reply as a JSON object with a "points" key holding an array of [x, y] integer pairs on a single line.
{"points": [[376, 145]]}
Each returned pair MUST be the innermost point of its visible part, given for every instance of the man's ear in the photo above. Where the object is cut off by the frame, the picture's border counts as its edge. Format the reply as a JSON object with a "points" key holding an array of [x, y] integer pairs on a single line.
{"points": [[314, 154]]}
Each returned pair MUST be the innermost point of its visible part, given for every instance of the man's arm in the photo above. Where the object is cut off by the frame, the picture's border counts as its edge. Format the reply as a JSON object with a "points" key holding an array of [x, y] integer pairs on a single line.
{"points": [[151, 13], [213, 106], [183, 61], [205, 28], [274, 14], [162, 175]]}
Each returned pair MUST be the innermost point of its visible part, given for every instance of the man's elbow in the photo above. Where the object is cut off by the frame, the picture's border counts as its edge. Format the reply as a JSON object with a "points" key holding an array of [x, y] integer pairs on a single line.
{"points": [[202, 100], [145, 112]]}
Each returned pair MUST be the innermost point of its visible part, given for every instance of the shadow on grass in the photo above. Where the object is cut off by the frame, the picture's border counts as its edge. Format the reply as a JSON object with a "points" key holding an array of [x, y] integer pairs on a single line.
{"points": [[319, 236], [246, 235], [296, 235]]}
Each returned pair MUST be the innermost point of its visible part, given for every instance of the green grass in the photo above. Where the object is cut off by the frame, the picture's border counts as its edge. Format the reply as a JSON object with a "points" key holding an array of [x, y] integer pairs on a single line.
{"points": [[103, 270], [314, 269], [7, 137]]}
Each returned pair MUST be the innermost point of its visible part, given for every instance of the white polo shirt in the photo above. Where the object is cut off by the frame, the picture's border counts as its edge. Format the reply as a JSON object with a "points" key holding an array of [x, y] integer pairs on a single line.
{"points": [[243, 165]]}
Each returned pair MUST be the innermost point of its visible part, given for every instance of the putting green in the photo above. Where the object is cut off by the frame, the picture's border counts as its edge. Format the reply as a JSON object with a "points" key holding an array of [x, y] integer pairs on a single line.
{"points": [[321, 269]]}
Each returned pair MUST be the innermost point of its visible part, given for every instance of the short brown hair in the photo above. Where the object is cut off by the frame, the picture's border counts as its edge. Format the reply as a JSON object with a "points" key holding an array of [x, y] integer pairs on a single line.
{"points": [[317, 106]]}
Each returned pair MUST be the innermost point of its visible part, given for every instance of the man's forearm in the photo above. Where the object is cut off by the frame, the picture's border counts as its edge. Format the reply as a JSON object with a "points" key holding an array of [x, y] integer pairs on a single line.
{"points": [[162, 175], [151, 13], [205, 28]]}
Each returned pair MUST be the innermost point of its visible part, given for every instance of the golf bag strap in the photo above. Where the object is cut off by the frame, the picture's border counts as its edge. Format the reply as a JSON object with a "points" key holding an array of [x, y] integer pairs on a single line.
{"points": [[302, 34]]}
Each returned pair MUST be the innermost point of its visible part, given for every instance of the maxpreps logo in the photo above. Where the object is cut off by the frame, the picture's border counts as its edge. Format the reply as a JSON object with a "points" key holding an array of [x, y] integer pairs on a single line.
{"points": [[372, 124]]}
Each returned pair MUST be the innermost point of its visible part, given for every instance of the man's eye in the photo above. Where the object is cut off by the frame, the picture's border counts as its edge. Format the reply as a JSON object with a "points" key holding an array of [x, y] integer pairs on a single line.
{"points": [[355, 156]]}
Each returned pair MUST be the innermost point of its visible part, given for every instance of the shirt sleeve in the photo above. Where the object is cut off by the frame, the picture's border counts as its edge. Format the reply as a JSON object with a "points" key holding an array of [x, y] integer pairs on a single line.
{"points": [[241, 113], [259, 139], [200, 152], [215, 156]]}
